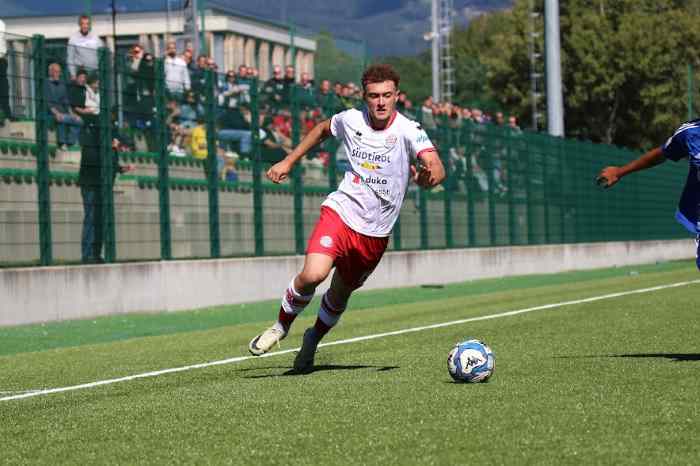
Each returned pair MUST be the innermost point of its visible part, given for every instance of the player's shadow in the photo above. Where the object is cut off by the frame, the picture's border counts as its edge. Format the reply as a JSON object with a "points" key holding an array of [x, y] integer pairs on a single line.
{"points": [[677, 357], [319, 368]]}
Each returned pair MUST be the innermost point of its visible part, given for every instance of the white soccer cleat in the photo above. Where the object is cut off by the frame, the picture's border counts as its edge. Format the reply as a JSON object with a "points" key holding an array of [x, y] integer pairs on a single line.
{"points": [[266, 340], [304, 361]]}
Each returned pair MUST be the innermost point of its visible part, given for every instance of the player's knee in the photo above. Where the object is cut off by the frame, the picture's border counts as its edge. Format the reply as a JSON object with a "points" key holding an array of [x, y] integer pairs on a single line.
{"points": [[311, 278]]}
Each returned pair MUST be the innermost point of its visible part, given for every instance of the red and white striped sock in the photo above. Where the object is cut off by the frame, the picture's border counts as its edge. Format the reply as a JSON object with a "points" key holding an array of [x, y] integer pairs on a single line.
{"points": [[293, 303]]}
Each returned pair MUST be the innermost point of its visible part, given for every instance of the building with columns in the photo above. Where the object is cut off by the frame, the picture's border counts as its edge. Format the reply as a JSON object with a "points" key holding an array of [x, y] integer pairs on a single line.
{"points": [[231, 38]]}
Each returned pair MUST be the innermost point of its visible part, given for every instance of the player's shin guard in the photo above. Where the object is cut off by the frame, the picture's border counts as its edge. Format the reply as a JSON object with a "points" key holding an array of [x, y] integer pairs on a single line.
{"points": [[293, 303], [328, 315]]}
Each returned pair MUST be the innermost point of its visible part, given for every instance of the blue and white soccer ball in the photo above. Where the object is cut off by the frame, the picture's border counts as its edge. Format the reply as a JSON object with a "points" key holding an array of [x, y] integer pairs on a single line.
{"points": [[471, 361]]}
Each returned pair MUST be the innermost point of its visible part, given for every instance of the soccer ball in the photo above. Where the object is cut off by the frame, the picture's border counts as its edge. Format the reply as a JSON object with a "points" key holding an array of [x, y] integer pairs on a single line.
{"points": [[471, 361]]}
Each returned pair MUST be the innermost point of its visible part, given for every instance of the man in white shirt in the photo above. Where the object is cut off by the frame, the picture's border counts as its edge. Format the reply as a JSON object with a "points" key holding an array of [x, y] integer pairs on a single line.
{"points": [[82, 48], [385, 150], [177, 75]]}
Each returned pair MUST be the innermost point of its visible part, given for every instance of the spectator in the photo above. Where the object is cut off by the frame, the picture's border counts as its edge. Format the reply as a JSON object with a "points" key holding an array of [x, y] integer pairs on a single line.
{"points": [[5, 111], [198, 142], [513, 124], [307, 92], [327, 100], [90, 175], [500, 120], [177, 133], [130, 93], [243, 83], [82, 48], [60, 111], [190, 111], [228, 90], [198, 77], [253, 72], [188, 55], [427, 116], [274, 88], [145, 109], [76, 92], [177, 76], [234, 127]]}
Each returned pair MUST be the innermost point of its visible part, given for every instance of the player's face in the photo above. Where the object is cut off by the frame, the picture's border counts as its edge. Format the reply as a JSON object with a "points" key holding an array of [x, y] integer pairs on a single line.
{"points": [[381, 100]]}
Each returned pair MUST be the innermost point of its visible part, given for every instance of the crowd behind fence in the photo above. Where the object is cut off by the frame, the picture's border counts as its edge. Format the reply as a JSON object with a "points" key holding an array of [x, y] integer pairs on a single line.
{"points": [[137, 157]]}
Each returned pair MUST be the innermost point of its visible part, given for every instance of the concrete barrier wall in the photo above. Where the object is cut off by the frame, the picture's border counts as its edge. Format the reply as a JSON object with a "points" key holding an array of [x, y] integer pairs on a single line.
{"points": [[32, 295]]}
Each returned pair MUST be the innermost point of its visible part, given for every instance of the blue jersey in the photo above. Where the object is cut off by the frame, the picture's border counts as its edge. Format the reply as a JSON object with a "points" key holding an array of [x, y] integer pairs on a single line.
{"points": [[685, 144]]}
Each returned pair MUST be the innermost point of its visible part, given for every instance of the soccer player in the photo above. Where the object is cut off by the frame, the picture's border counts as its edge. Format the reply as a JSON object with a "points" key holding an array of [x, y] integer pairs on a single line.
{"points": [[385, 149], [685, 143]]}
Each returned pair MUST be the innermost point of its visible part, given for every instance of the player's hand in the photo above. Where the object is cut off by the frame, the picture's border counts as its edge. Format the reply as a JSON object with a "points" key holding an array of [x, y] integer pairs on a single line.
{"points": [[608, 176], [279, 171], [423, 177]]}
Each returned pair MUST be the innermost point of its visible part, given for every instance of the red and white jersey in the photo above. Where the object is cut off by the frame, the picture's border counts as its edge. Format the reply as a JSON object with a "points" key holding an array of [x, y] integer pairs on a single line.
{"points": [[370, 196]]}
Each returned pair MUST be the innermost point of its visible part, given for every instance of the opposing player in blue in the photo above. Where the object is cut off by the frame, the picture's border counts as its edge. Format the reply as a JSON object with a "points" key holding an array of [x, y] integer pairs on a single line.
{"points": [[684, 144]]}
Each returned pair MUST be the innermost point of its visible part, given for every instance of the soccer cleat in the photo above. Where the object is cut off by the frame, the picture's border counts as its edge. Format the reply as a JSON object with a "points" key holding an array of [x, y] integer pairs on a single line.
{"points": [[262, 343], [304, 361]]}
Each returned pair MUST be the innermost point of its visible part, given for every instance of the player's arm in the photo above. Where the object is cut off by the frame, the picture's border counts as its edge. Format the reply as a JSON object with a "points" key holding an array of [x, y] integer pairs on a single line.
{"points": [[430, 171], [610, 175], [280, 171]]}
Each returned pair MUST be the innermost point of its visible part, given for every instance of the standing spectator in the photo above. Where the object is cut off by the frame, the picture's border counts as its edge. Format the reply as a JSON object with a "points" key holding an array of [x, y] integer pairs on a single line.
{"points": [[5, 111], [177, 76], [130, 97], [90, 175], [67, 122], [274, 88], [426, 114], [82, 48]]}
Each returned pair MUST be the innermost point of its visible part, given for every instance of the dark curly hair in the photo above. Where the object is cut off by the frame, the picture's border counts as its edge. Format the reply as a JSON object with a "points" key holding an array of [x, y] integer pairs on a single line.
{"points": [[378, 74]]}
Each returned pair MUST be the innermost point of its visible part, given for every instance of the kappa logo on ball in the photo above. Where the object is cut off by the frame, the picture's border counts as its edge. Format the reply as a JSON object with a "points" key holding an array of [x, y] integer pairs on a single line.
{"points": [[326, 241], [390, 141]]}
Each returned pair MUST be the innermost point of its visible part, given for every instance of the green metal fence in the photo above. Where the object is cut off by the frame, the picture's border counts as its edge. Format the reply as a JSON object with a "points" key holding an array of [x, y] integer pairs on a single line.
{"points": [[198, 188]]}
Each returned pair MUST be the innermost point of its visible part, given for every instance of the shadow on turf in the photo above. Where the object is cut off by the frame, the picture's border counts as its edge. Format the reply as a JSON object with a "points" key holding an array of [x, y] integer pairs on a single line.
{"points": [[678, 357], [318, 368]]}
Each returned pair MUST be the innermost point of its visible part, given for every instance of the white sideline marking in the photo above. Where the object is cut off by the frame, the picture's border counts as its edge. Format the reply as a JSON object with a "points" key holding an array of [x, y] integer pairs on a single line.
{"points": [[144, 375]]}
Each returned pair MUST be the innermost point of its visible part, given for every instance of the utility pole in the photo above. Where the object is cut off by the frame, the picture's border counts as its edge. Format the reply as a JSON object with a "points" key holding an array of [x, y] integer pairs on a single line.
{"points": [[435, 37], [535, 66], [555, 104]]}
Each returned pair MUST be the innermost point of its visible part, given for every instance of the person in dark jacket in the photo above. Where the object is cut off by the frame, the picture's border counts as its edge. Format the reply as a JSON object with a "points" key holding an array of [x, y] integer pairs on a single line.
{"points": [[90, 175]]}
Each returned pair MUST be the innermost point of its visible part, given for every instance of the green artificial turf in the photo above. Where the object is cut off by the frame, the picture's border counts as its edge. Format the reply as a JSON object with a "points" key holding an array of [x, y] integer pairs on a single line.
{"points": [[606, 382]]}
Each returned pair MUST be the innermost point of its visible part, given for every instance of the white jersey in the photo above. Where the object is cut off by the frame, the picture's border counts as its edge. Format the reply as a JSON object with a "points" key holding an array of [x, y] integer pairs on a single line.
{"points": [[370, 196]]}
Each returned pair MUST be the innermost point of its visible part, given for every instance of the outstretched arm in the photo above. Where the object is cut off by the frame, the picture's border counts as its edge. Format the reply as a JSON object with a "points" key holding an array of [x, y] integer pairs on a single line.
{"points": [[280, 171], [608, 176]]}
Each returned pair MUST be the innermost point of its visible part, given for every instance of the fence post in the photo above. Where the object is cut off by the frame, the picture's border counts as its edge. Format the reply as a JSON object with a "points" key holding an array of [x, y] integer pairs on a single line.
{"points": [[258, 204], [468, 183], [528, 186], [42, 154], [107, 153], [212, 168], [444, 148], [297, 181], [510, 172], [161, 129]]}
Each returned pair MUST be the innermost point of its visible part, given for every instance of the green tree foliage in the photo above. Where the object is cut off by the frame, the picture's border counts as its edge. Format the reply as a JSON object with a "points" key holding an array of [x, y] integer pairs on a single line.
{"points": [[333, 64], [624, 65], [416, 80]]}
